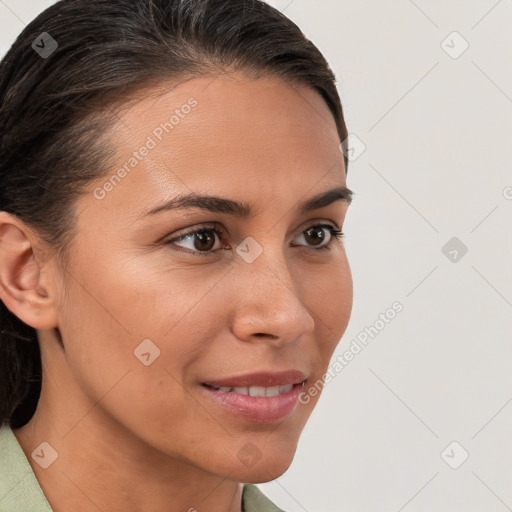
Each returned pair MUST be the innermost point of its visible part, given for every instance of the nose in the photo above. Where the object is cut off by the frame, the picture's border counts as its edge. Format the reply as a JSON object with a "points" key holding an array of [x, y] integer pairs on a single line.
{"points": [[269, 306]]}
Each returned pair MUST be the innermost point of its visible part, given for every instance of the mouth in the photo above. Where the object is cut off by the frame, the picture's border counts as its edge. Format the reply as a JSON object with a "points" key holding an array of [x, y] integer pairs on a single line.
{"points": [[256, 404]]}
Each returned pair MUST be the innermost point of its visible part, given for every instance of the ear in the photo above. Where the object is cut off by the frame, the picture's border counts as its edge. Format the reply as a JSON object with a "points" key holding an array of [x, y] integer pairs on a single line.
{"points": [[22, 275]]}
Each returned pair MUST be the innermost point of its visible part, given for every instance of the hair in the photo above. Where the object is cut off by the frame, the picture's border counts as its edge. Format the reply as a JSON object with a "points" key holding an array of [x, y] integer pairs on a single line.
{"points": [[55, 111]]}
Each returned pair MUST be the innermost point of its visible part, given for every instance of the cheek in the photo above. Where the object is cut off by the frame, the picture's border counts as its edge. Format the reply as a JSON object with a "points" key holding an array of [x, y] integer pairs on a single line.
{"points": [[330, 302], [137, 383], [135, 335], [330, 299]]}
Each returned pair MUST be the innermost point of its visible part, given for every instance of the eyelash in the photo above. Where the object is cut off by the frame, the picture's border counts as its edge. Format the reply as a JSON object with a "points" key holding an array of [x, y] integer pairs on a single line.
{"points": [[336, 235]]}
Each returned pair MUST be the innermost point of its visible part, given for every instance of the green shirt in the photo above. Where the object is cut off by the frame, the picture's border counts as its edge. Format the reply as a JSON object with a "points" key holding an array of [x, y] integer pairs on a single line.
{"points": [[20, 490]]}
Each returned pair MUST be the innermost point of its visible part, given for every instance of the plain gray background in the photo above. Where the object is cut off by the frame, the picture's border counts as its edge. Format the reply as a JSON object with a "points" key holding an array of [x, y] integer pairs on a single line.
{"points": [[432, 125]]}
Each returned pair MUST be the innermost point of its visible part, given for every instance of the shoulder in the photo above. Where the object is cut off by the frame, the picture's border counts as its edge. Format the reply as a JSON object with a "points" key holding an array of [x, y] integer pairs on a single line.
{"points": [[253, 500], [19, 488]]}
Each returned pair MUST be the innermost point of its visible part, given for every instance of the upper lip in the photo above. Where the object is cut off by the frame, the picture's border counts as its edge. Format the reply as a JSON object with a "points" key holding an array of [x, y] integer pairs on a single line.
{"points": [[264, 379]]}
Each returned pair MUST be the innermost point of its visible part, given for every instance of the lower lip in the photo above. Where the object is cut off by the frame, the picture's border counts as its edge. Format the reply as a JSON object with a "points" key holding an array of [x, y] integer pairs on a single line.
{"points": [[258, 409]]}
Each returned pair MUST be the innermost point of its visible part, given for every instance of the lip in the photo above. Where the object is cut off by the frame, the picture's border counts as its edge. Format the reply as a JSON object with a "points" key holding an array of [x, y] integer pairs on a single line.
{"points": [[265, 379], [257, 409]]}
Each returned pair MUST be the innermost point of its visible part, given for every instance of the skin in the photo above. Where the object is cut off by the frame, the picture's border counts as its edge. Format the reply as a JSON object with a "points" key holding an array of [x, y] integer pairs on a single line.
{"points": [[145, 438]]}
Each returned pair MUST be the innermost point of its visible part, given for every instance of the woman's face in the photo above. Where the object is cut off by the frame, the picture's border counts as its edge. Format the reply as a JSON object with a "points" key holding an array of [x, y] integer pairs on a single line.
{"points": [[148, 319]]}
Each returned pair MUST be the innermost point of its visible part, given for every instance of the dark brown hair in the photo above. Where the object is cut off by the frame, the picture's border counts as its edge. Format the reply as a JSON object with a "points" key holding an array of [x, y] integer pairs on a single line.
{"points": [[60, 85]]}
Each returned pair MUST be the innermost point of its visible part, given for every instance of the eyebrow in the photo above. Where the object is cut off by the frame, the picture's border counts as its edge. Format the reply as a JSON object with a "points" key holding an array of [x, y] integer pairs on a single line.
{"points": [[242, 209]]}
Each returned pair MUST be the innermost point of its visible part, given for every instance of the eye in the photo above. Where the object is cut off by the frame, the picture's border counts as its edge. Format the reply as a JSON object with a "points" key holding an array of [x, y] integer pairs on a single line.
{"points": [[202, 242], [315, 237]]}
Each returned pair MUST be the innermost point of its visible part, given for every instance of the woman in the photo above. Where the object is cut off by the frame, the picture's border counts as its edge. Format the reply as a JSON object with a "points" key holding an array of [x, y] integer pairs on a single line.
{"points": [[172, 276]]}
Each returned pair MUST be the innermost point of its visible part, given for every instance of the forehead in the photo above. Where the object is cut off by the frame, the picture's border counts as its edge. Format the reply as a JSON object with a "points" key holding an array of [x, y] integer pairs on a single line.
{"points": [[228, 133]]}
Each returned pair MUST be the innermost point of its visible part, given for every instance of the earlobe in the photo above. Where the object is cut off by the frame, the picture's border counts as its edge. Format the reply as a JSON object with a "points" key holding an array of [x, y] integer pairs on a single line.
{"points": [[21, 287]]}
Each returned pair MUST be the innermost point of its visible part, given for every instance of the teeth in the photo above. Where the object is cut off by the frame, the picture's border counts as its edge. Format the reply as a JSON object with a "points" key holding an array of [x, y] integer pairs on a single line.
{"points": [[258, 390], [284, 389], [271, 391]]}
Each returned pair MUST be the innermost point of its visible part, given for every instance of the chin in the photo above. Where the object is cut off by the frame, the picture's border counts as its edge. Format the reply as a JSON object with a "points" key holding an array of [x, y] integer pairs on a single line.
{"points": [[265, 474], [266, 468]]}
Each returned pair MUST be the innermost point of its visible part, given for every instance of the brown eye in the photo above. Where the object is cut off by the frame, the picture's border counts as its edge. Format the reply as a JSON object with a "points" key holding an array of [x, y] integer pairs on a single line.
{"points": [[203, 240], [200, 242], [315, 237]]}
